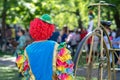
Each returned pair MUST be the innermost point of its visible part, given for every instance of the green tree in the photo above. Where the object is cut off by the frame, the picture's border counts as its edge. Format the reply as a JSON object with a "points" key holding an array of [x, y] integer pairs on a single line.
{"points": [[73, 13], [116, 12]]}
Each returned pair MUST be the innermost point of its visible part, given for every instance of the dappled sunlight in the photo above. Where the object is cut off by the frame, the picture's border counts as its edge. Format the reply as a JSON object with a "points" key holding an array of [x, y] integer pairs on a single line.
{"points": [[8, 69], [7, 73], [7, 61]]}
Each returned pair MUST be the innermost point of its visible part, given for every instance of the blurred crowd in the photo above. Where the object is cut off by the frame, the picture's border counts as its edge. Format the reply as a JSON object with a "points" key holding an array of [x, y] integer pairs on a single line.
{"points": [[74, 37], [13, 37], [17, 38]]}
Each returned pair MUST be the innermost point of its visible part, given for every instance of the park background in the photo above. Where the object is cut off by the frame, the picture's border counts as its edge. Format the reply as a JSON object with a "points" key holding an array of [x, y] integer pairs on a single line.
{"points": [[73, 13]]}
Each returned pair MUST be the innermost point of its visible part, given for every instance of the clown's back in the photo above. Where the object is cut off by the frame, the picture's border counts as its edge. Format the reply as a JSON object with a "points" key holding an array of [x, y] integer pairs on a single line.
{"points": [[44, 59], [40, 57]]}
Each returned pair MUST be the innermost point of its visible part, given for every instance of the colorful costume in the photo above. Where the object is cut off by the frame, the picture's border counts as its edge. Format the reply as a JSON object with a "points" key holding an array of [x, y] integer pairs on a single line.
{"points": [[45, 59]]}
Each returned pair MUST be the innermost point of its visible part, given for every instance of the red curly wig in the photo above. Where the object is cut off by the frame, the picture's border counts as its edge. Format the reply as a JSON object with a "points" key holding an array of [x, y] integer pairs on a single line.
{"points": [[40, 30]]}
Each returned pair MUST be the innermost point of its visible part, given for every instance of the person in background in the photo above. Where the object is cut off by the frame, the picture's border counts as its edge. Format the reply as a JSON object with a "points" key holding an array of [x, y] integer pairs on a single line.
{"points": [[113, 34], [83, 33], [64, 34], [73, 39], [8, 32], [28, 37], [19, 45], [78, 37], [17, 28], [107, 25], [7, 37], [91, 22], [96, 45], [13, 33], [55, 35], [90, 28], [21, 42], [116, 45]]}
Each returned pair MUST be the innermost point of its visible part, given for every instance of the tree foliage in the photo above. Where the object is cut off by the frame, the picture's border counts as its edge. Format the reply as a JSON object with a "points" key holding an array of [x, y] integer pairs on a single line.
{"points": [[73, 13]]}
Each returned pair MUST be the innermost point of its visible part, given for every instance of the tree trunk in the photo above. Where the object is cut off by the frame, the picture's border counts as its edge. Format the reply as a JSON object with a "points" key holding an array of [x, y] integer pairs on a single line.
{"points": [[4, 19], [117, 18], [79, 19], [108, 14], [4, 25]]}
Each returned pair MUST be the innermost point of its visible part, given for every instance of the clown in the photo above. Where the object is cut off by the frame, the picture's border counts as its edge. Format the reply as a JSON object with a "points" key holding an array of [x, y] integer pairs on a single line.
{"points": [[44, 59]]}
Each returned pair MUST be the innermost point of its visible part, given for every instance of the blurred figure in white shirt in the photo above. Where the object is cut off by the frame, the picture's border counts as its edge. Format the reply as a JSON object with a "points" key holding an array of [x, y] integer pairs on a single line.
{"points": [[91, 22], [73, 40]]}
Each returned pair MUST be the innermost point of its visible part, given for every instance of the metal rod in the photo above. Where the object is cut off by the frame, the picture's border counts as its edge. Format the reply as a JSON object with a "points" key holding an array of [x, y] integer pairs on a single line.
{"points": [[105, 4], [108, 61], [90, 64], [101, 55], [114, 49], [99, 13]]}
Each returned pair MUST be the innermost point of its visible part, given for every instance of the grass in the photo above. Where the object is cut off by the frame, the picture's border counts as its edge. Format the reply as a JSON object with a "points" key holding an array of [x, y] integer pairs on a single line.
{"points": [[7, 73], [5, 53], [80, 78], [83, 78], [11, 73]]}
